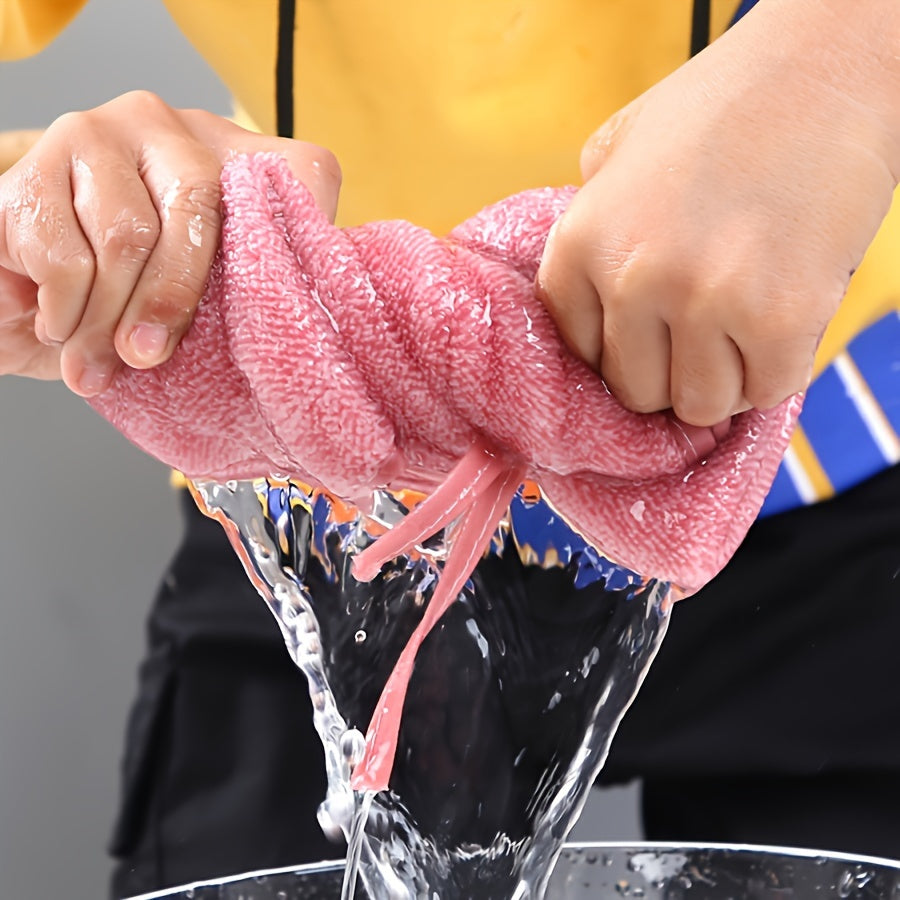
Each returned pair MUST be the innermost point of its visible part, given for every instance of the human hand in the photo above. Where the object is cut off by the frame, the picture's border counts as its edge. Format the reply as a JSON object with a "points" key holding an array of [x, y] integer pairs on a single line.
{"points": [[108, 229], [725, 209]]}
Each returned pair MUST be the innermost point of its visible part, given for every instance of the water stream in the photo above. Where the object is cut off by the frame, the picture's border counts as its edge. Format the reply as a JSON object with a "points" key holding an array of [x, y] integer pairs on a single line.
{"points": [[514, 698]]}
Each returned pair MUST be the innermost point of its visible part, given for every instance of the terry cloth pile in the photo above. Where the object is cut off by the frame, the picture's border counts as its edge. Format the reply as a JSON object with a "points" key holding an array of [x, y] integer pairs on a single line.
{"points": [[382, 356]]}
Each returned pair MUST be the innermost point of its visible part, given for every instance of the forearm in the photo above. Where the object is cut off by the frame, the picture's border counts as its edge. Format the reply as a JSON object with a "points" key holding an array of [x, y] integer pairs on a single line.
{"points": [[849, 49]]}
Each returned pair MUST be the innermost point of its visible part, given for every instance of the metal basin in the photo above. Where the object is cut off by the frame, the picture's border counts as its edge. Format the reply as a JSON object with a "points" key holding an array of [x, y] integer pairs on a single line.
{"points": [[592, 871]]}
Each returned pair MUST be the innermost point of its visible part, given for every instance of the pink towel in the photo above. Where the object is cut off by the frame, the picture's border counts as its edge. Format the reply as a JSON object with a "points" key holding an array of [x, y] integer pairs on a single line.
{"points": [[384, 357]]}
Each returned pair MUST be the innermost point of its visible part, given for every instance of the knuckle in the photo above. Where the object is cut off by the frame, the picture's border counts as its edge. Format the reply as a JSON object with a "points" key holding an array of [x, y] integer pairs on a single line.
{"points": [[773, 378], [317, 167], [641, 403], [636, 400], [130, 239], [201, 197], [763, 398], [205, 196], [71, 264], [82, 131], [697, 408], [82, 126], [326, 163], [67, 124], [764, 393], [173, 306], [180, 281], [199, 203], [644, 275], [140, 102]]}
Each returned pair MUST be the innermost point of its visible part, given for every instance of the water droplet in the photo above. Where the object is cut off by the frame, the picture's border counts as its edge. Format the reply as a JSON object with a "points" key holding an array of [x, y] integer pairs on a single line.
{"points": [[353, 746], [334, 812], [845, 884], [195, 231], [360, 636]]}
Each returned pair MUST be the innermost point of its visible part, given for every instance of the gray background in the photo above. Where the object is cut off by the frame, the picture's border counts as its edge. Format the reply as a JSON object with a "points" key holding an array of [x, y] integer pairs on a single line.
{"points": [[87, 524]]}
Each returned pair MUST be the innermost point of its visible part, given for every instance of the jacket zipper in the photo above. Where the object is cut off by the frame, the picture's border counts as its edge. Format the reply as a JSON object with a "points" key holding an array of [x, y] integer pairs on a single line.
{"points": [[284, 69]]}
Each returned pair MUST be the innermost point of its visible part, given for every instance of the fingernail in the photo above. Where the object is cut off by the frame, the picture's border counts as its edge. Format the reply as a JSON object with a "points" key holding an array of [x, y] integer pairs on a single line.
{"points": [[149, 341], [93, 380]]}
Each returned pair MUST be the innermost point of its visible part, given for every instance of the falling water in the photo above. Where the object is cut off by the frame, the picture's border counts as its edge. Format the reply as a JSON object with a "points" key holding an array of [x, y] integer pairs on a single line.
{"points": [[513, 702]]}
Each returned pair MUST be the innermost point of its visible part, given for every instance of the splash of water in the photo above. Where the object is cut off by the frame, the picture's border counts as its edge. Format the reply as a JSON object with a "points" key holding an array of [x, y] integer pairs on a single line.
{"points": [[513, 703]]}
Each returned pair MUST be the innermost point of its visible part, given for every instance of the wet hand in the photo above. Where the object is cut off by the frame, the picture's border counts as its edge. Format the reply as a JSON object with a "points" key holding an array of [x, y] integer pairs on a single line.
{"points": [[725, 210], [108, 229]]}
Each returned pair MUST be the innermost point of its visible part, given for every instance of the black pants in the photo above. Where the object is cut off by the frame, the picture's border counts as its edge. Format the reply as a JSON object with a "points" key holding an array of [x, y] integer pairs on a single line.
{"points": [[772, 714]]}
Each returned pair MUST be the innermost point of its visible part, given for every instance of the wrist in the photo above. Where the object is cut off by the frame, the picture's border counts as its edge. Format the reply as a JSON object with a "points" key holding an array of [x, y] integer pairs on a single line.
{"points": [[850, 52]]}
